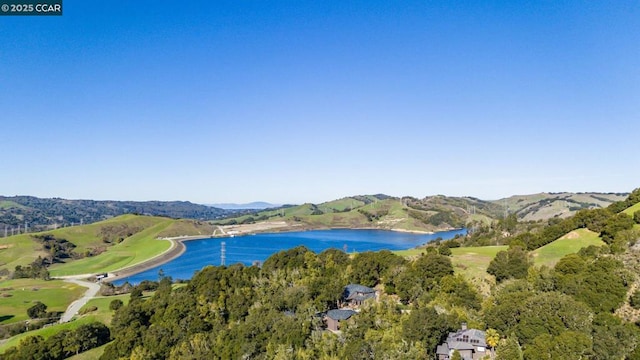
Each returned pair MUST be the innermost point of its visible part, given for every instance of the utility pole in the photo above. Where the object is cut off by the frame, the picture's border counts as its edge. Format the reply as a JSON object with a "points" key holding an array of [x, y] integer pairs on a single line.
{"points": [[223, 253], [506, 209], [26, 227]]}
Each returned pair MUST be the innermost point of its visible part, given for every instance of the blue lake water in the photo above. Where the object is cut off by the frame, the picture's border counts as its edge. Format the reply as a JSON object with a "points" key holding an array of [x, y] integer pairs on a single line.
{"points": [[250, 248]]}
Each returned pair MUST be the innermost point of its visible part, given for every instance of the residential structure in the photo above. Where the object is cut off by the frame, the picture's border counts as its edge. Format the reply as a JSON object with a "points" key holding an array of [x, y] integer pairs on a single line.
{"points": [[470, 343], [354, 295], [333, 318]]}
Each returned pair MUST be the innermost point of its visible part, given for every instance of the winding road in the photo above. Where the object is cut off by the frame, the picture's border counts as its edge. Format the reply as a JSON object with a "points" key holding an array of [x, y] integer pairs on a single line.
{"points": [[75, 306]]}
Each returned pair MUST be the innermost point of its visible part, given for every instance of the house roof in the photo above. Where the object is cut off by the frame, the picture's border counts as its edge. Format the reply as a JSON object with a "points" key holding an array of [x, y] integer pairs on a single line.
{"points": [[339, 314], [461, 345], [466, 339], [442, 349], [358, 292]]}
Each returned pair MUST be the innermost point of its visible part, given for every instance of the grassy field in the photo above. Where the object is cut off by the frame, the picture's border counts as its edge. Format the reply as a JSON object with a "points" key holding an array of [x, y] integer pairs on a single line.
{"points": [[133, 250], [21, 294], [472, 262], [103, 315], [469, 261], [631, 210], [571, 243]]}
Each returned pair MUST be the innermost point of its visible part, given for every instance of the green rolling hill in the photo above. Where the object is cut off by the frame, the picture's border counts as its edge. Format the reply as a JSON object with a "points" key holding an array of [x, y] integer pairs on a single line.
{"points": [[102, 246]]}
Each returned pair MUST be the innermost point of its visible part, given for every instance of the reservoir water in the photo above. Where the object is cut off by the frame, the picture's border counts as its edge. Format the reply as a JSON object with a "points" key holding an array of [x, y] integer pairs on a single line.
{"points": [[250, 248]]}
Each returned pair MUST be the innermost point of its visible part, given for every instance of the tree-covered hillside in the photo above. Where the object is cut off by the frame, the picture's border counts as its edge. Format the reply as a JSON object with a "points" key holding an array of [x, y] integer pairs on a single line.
{"points": [[43, 214]]}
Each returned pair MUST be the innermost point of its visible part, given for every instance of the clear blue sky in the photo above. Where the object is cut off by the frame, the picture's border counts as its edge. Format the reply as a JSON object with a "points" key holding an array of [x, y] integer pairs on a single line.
{"points": [[295, 101]]}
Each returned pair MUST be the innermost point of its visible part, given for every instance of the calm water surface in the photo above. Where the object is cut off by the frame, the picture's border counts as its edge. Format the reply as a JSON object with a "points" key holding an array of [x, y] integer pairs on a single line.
{"points": [[250, 248]]}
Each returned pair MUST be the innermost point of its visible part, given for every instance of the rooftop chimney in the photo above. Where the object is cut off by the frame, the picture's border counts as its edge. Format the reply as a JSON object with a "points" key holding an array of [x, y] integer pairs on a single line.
{"points": [[464, 326]]}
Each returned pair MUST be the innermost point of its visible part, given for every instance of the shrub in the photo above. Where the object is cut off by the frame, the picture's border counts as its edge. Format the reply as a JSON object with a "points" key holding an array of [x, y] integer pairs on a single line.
{"points": [[88, 310], [115, 304], [38, 310]]}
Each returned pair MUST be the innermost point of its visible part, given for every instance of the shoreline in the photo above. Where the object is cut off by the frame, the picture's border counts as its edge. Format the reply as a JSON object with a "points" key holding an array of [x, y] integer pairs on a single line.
{"points": [[178, 247]]}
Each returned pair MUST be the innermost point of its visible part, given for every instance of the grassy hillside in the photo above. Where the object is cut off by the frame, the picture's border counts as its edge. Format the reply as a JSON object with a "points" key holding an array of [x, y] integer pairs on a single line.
{"points": [[473, 261], [368, 211], [632, 210], [18, 250], [90, 236], [570, 243], [548, 205], [119, 242], [23, 249], [187, 228], [135, 249]]}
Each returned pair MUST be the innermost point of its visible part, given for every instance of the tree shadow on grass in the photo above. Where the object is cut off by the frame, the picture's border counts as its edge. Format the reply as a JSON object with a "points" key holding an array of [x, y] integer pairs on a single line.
{"points": [[4, 318]]}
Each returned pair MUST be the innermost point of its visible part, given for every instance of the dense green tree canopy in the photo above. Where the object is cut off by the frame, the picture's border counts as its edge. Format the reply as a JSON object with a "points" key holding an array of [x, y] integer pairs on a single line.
{"points": [[38, 310], [512, 263]]}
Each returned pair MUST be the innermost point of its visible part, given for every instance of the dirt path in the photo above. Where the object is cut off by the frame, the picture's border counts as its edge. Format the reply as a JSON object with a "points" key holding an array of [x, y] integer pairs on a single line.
{"points": [[75, 306]]}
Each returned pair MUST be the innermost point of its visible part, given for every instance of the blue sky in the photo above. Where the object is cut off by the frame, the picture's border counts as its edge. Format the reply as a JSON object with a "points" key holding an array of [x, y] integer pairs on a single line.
{"points": [[295, 101]]}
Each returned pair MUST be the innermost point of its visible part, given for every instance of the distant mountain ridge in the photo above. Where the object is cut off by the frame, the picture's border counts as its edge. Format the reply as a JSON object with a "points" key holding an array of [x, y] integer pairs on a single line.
{"points": [[256, 205], [43, 214], [431, 213]]}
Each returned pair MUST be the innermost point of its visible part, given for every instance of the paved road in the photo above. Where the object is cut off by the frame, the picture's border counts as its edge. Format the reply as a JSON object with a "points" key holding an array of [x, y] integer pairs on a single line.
{"points": [[76, 305]]}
